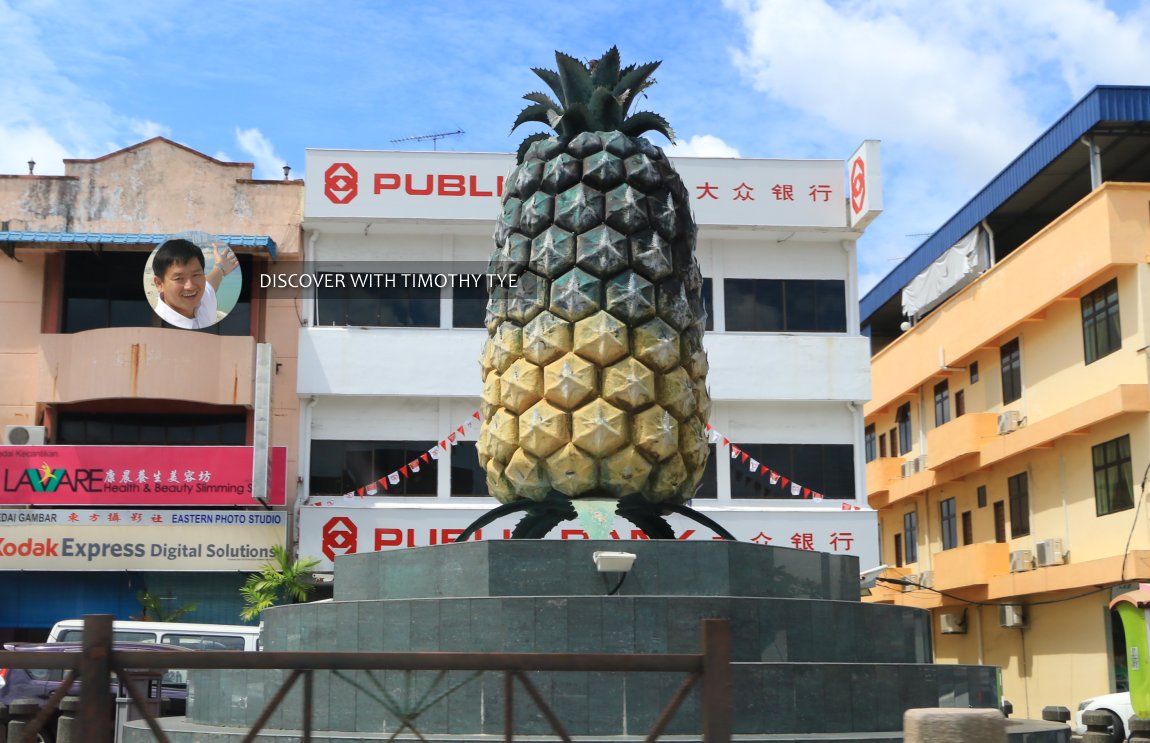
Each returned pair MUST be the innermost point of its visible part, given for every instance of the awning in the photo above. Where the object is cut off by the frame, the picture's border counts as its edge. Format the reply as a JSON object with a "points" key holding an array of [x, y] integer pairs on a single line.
{"points": [[9, 241]]}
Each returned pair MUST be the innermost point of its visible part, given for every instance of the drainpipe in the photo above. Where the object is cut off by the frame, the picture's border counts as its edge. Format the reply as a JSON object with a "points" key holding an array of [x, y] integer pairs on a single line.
{"points": [[303, 475], [1095, 162]]}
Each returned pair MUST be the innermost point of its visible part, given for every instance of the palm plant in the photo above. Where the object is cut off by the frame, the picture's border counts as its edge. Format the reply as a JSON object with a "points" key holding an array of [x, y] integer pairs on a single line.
{"points": [[153, 609], [280, 580]]}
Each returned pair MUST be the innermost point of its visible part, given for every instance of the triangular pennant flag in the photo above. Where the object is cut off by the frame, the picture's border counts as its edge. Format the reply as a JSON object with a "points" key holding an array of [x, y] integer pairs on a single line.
{"points": [[451, 438], [754, 465], [744, 455], [414, 465], [348, 496], [425, 457], [393, 478], [710, 427], [806, 492], [461, 431], [383, 483], [764, 471], [785, 481], [434, 452], [403, 471], [816, 496], [476, 416], [359, 492], [726, 441], [774, 478], [795, 488], [372, 489], [735, 451], [714, 437], [443, 444]]}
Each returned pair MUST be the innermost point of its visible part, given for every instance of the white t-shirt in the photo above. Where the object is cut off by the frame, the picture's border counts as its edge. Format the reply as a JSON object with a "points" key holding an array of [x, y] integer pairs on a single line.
{"points": [[205, 312]]}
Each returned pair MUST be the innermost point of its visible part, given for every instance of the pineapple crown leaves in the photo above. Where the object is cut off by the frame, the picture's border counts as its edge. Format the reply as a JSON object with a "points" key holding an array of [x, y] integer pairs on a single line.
{"points": [[589, 97]]}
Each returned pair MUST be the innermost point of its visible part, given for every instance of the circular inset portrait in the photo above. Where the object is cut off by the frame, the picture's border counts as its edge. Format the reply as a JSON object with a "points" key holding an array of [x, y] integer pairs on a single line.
{"points": [[192, 280]]}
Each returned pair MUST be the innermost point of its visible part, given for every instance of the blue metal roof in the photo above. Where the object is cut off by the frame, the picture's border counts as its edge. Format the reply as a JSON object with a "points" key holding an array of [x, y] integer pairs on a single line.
{"points": [[1103, 103], [114, 238]]}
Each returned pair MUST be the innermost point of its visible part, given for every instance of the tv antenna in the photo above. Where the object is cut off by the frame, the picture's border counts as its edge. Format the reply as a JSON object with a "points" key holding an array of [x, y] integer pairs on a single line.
{"points": [[434, 138]]}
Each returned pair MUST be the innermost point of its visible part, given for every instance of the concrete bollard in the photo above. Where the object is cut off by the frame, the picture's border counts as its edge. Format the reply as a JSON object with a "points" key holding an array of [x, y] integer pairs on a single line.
{"points": [[1139, 728], [1056, 714], [20, 713], [66, 730], [1098, 723], [953, 725]]}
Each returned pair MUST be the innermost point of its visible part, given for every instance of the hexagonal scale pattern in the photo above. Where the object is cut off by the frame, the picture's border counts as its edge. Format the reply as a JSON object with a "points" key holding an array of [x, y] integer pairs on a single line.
{"points": [[599, 428], [569, 381], [579, 208], [601, 338], [604, 171], [502, 435], [663, 214], [546, 338], [575, 295], [669, 479], [571, 470], [624, 473], [630, 297], [506, 346], [527, 177], [527, 298], [656, 344], [527, 477], [650, 255], [676, 392], [584, 144], [560, 173], [626, 209], [521, 386], [642, 173], [671, 298], [601, 251], [552, 252], [656, 433], [629, 384], [543, 429], [535, 216]]}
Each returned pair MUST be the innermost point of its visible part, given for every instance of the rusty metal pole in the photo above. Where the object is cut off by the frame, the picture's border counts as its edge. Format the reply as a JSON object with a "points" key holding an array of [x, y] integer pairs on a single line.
{"points": [[95, 712], [717, 711]]}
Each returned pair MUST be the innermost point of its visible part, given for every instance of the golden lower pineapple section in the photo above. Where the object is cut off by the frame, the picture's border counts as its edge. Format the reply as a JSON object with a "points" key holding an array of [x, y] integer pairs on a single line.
{"points": [[592, 407]]}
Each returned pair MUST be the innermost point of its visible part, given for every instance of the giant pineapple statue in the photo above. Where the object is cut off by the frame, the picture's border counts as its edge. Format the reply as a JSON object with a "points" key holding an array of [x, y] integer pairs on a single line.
{"points": [[594, 373]]}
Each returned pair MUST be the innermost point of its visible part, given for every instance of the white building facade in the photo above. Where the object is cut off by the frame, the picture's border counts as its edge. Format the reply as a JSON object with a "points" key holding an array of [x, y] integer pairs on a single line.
{"points": [[389, 376]]}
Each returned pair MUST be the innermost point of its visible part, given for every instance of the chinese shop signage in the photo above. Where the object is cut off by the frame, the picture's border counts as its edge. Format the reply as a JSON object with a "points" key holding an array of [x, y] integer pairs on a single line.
{"points": [[135, 475]]}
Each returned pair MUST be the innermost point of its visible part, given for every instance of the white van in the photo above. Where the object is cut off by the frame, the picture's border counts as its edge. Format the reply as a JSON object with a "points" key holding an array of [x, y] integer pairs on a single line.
{"points": [[183, 634]]}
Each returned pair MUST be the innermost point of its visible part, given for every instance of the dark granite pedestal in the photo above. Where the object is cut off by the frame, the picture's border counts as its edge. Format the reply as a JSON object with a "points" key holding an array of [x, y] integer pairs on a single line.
{"points": [[811, 661]]}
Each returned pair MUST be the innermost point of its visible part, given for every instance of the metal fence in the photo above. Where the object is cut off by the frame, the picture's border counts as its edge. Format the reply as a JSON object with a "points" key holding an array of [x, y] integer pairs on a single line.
{"points": [[99, 662]]}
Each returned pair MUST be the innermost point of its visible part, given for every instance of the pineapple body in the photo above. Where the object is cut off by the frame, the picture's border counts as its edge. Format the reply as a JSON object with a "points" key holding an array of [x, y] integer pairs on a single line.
{"points": [[594, 370]]}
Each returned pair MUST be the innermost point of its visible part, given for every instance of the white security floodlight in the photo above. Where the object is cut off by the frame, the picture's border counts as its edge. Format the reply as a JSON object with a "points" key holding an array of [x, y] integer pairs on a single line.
{"points": [[613, 562], [868, 578]]}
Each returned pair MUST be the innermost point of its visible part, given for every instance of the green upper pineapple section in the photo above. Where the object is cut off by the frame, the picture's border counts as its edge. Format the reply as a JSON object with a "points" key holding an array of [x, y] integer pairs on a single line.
{"points": [[592, 97]]}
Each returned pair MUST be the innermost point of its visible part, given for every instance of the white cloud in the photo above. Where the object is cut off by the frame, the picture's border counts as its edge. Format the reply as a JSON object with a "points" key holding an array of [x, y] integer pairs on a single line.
{"points": [[148, 129], [701, 145], [268, 164]]}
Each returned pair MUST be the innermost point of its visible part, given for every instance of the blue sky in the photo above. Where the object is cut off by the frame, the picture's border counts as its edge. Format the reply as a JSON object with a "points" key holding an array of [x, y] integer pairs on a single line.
{"points": [[954, 90]]}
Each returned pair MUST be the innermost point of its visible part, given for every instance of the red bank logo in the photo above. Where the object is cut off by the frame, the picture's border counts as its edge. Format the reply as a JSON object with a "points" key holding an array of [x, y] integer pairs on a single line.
{"points": [[339, 537], [858, 185], [340, 183]]}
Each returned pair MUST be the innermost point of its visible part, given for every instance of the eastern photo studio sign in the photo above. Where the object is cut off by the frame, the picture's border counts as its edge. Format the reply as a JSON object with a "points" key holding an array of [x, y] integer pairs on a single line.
{"points": [[352, 184], [129, 539], [135, 475], [328, 531]]}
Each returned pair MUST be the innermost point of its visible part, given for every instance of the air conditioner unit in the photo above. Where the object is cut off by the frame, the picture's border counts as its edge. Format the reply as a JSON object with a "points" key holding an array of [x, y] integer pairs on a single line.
{"points": [[1021, 561], [1050, 553], [952, 623], [24, 435], [1011, 616], [912, 582], [926, 579], [1008, 422], [911, 467]]}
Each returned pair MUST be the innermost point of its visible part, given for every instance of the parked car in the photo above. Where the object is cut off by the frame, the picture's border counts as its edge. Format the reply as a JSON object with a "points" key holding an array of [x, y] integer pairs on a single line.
{"points": [[1117, 705], [40, 683]]}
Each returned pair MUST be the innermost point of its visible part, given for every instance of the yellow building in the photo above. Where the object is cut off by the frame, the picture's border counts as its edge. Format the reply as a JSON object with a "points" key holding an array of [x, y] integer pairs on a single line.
{"points": [[1008, 437]]}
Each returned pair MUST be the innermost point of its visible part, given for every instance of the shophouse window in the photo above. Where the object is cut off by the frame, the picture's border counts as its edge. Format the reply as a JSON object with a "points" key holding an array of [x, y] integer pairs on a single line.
{"points": [[468, 307], [467, 476], [941, 403], [382, 306], [902, 417], [898, 561], [827, 469], [1113, 479], [981, 494], [792, 305], [709, 303], [1101, 329], [974, 372], [709, 484], [882, 445], [339, 467], [910, 535], [145, 429], [959, 403], [1018, 488], [948, 524], [869, 442], [1011, 371], [105, 290], [999, 522], [967, 528], [893, 441]]}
